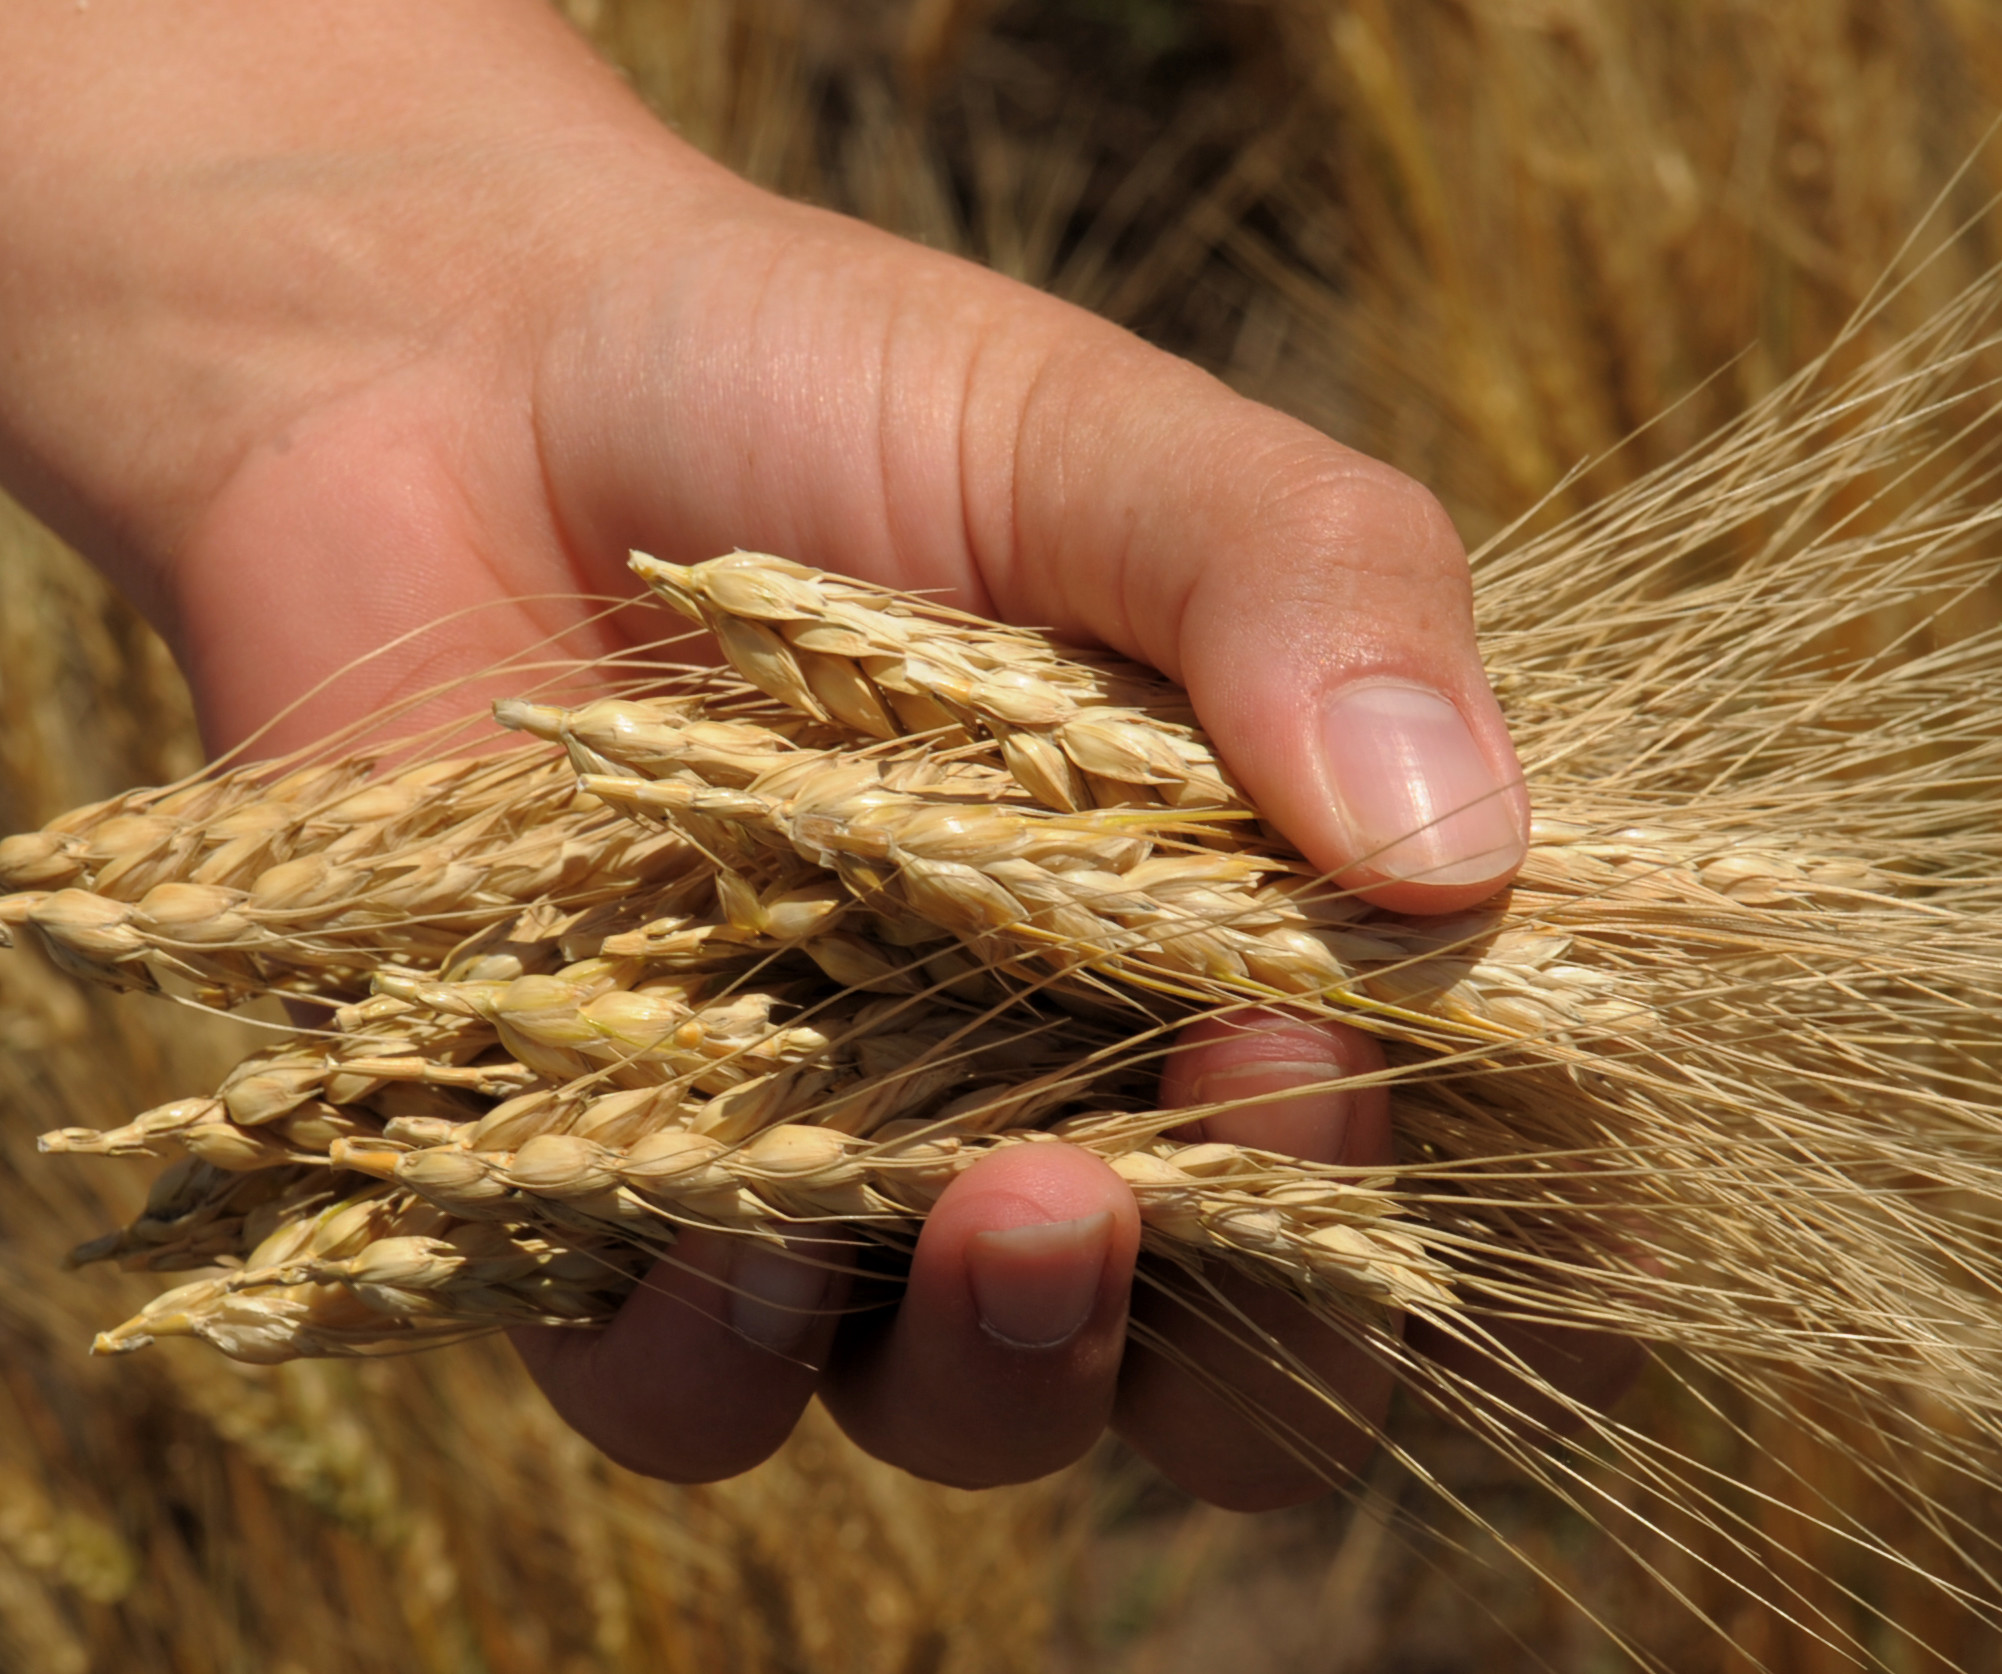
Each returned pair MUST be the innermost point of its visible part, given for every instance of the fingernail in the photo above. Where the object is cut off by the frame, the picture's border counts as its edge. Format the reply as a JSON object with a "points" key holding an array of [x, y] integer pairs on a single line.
{"points": [[1035, 1286], [775, 1294], [1414, 791], [1274, 1108]]}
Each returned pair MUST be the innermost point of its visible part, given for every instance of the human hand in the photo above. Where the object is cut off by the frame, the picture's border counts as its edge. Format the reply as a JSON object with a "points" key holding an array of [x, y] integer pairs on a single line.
{"points": [[324, 324]]}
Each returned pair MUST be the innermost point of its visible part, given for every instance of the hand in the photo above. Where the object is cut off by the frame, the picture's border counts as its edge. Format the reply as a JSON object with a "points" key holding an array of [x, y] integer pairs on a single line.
{"points": [[326, 322]]}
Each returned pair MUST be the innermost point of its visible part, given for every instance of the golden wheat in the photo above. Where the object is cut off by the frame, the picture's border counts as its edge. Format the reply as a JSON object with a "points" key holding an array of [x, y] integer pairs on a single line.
{"points": [[1718, 1072]]}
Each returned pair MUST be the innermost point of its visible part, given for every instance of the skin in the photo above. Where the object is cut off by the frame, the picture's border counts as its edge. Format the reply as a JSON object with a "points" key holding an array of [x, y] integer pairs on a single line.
{"points": [[324, 321]]}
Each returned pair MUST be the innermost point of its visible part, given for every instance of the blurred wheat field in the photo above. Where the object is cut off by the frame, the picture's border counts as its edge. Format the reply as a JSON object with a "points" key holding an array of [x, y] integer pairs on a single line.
{"points": [[1486, 240]]}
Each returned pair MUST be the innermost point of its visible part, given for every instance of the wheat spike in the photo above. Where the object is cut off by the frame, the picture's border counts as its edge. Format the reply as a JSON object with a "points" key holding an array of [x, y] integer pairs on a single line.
{"points": [[239, 886]]}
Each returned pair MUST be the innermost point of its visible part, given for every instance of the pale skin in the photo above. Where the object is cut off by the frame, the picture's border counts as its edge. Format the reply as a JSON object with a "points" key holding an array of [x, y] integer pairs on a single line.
{"points": [[323, 320]]}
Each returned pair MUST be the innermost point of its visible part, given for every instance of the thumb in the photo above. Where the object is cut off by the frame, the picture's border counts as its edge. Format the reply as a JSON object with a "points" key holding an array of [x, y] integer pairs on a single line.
{"points": [[795, 381], [1315, 603]]}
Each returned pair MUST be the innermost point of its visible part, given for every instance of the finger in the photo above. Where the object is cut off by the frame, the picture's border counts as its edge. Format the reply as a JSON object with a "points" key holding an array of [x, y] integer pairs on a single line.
{"points": [[1277, 1084], [1537, 1378], [1236, 1393], [1000, 1361], [1316, 604], [872, 407], [708, 1365]]}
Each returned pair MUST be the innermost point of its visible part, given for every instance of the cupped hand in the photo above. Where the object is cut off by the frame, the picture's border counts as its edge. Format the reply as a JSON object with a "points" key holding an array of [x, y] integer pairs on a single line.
{"points": [[339, 320]]}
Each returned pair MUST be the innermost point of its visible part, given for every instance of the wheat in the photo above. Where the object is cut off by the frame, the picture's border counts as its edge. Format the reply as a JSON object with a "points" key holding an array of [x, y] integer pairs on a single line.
{"points": [[1717, 1072], [224, 885], [1643, 937], [1074, 732]]}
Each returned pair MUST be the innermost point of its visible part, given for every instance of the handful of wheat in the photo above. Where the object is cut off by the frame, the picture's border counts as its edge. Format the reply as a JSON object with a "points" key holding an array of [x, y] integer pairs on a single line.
{"points": [[794, 944]]}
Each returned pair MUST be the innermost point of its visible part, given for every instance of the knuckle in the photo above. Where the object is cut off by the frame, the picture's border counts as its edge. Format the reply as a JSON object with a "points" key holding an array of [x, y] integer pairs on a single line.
{"points": [[1322, 501]]}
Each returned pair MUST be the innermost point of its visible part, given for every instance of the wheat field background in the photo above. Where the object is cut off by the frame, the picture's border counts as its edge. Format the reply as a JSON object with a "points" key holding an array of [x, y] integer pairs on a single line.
{"points": [[1487, 240]]}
